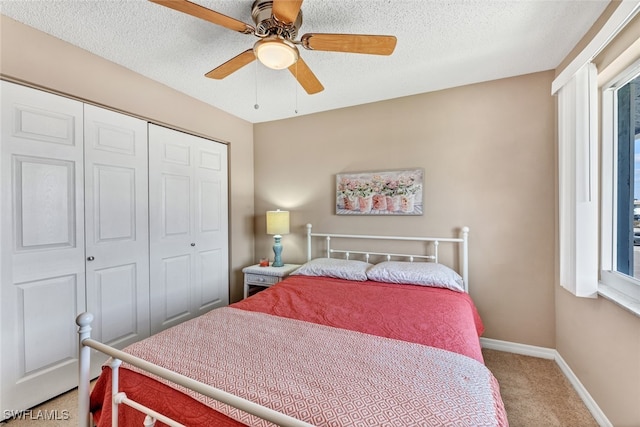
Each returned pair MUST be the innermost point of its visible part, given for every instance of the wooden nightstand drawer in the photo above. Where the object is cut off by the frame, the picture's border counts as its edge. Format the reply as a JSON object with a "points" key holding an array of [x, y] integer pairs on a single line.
{"points": [[260, 280]]}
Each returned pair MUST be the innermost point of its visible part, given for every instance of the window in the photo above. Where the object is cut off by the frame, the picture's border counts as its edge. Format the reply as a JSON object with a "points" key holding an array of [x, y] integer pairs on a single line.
{"points": [[628, 180], [590, 199], [620, 277]]}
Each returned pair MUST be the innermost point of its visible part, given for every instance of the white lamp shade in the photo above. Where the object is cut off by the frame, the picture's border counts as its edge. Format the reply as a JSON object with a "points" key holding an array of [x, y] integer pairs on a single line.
{"points": [[278, 222]]}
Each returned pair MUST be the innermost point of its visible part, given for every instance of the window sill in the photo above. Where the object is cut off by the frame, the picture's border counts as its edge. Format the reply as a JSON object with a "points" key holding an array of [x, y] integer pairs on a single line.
{"points": [[622, 299]]}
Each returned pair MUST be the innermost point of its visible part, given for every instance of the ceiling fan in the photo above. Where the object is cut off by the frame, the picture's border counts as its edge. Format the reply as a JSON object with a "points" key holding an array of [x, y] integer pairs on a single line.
{"points": [[276, 25]]}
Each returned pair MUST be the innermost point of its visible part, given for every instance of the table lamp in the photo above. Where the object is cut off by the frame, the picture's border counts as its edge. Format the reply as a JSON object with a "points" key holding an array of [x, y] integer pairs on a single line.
{"points": [[277, 224]]}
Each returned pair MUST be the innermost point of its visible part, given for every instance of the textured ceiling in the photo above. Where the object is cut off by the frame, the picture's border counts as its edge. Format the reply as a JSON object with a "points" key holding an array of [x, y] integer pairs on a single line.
{"points": [[441, 44]]}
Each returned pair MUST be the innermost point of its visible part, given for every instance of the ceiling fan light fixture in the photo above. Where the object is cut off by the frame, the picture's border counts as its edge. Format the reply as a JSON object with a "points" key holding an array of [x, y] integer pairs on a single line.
{"points": [[276, 53]]}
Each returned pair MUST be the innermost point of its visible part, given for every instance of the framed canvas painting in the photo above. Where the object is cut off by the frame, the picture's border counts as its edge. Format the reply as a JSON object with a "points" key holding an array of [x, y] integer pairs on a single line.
{"points": [[396, 192]]}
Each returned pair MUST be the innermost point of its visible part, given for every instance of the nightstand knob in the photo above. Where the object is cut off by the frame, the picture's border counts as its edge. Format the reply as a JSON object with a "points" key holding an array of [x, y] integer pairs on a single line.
{"points": [[193, 244]]}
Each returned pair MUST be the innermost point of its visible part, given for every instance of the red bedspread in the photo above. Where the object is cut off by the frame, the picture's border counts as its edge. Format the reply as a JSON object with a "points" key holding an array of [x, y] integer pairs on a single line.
{"points": [[430, 316]]}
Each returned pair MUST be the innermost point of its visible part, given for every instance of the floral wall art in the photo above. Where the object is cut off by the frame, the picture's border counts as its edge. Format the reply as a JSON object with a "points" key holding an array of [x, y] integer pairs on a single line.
{"points": [[379, 193]]}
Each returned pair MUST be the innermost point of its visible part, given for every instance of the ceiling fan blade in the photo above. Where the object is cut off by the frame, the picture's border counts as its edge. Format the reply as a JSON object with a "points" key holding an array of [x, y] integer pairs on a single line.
{"points": [[305, 77], [206, 14], [351, 43], [286, 11], [232, 65]]}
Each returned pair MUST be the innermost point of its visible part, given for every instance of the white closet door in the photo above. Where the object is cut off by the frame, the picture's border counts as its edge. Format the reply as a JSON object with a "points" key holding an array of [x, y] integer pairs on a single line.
{"points": [[211, 226], [42, 285], [116, 227], [188, 223]]}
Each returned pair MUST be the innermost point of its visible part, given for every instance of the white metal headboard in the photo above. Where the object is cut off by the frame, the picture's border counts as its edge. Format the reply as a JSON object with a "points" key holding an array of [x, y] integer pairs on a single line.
{"points": [[463, 241]]}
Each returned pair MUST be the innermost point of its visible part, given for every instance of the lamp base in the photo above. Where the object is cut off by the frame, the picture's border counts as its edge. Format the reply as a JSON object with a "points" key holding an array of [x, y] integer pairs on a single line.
{"points": [[277, 251]]}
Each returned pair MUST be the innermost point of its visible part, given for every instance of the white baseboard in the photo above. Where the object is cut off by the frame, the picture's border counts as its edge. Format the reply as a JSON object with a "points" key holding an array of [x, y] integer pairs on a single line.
{"points": [[552, 354], [524, 349]]}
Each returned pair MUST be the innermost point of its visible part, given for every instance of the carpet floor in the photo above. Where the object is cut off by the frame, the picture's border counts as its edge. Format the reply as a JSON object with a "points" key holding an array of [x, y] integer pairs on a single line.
{"points": [[535, 393]]}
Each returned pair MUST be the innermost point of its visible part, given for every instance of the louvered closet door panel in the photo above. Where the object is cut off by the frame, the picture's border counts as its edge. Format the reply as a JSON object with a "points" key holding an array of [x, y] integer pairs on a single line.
{"points": [[188, 226], [42, 278], [116, 226]]}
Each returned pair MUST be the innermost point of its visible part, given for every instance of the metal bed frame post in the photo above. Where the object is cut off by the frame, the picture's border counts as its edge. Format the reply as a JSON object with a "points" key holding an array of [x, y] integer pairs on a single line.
{"points": [[84, 366], [435, 250], [115, 380], [308, 242], [464, 257]]}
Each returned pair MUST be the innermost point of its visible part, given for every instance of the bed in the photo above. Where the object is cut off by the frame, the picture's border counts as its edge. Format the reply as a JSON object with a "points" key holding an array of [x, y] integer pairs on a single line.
{"points": [[353, 337]]}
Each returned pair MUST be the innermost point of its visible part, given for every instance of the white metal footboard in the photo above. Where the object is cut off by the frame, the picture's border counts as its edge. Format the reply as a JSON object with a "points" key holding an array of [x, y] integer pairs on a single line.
{"points": [[86, 344]]}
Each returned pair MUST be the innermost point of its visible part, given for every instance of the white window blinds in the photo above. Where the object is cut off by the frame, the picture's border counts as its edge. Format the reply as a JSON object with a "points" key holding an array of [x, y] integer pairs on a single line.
{"points": [[578, 183]]}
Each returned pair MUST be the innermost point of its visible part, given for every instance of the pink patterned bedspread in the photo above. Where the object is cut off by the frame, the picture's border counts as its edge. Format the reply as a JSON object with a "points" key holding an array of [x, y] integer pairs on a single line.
{"points": [[343, 377], [352, 351], [425, 315]]}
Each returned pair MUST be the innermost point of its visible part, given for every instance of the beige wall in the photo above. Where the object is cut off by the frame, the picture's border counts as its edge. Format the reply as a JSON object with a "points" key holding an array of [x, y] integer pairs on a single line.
{"points": [[488, 155], [39, 59], [601, 343]]}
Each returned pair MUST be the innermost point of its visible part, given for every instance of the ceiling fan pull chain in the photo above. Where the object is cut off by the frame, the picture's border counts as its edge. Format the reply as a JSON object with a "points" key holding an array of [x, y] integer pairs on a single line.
{"points": [[296, 90], [256, 106]]}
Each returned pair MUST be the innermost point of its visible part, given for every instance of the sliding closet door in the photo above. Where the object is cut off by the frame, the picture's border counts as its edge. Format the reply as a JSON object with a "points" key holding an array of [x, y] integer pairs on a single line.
{"points": [[188, 226], [42, 282], [116, 227]]}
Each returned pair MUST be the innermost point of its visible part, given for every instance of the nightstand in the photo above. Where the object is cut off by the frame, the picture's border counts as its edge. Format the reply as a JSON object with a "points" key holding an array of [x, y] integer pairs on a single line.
{"points": [[265, 276]]}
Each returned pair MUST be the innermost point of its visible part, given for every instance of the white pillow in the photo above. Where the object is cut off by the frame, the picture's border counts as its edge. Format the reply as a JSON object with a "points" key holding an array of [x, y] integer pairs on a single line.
{"points": [[416, 273], [335, 267]]}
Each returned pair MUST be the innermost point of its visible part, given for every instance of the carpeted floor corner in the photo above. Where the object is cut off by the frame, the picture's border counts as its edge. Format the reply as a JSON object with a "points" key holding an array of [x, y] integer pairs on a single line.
{"points": [[535, 393]]}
